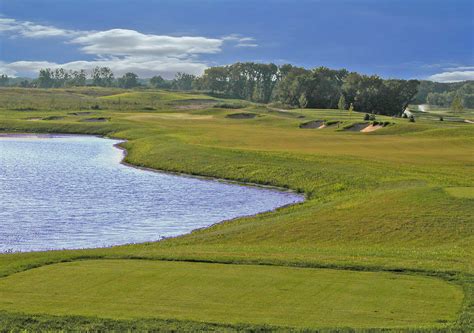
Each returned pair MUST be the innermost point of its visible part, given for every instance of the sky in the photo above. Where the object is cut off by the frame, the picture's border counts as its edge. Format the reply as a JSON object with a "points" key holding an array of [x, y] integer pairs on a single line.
{"points": [[422, 39]]}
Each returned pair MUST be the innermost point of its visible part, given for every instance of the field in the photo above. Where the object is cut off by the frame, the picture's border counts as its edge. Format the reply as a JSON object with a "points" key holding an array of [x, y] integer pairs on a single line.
{"points": [[384, 239]]}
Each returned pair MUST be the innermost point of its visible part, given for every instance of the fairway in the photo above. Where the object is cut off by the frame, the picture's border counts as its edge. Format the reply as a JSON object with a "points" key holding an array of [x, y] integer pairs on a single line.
{"points": [[398, 199], [298, 297]]}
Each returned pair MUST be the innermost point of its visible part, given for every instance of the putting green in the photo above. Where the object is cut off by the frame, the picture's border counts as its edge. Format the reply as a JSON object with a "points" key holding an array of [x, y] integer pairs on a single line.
{"points": [[286, 296]]}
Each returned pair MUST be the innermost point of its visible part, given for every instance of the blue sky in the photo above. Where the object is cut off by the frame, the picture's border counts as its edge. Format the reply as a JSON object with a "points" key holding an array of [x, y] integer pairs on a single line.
{"points": [[393, 38]]}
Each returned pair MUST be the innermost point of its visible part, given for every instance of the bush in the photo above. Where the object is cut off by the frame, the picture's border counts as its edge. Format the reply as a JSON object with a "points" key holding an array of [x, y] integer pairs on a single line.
{"points": [[441, 118], [367, 116], [95, 107], [372, 117], [375, 123], [412, 119], [386, 123]]}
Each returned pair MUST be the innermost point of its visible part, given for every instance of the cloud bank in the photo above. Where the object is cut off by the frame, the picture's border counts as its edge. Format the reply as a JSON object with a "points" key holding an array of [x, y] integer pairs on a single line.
{"points": [[122, 50], [463, 73]]}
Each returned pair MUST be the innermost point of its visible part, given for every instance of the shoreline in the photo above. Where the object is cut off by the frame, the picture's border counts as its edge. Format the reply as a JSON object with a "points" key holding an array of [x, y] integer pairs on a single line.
{"points": [[301, 196], [175, 173]]}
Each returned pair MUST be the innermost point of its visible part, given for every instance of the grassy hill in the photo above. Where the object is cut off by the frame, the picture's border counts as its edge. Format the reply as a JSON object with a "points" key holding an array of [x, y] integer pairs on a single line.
{"points": [[396, 202]]}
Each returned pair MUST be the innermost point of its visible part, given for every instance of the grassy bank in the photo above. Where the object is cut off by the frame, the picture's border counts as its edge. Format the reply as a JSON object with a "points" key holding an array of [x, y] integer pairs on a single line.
{"points": [[387, 200]]}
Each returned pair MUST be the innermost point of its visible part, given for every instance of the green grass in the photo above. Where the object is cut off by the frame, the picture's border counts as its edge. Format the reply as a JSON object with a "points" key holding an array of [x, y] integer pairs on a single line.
{"points": [[377, 201], [284, 296], [461, 192]]}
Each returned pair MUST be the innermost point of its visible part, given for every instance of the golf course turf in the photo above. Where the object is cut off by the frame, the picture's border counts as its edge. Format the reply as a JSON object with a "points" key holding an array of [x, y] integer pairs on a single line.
{"points": [[384, 239]]}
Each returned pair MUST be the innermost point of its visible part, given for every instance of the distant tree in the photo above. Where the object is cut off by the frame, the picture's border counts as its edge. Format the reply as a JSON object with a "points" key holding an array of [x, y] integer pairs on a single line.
{"points": [[158, 82], [102, 77], [303, 101], [4, 80], [183, 81], [351, 108], [456, 105], [25, 84], [78, 78], [45, 78], [128, 80], [341, 105]]}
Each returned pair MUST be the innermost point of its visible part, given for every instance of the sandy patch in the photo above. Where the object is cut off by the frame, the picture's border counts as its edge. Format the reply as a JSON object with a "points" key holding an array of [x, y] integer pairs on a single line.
{"points": [[313, 124], [371, 128], [468, 121], [357, 127]]}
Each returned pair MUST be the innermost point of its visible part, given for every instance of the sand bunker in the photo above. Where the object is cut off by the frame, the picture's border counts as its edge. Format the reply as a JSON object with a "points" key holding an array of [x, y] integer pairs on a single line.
{"points": [[371, 128], [313, 124], [85, 113], [357, 127], [242, 115], [95, 120], [53, 118]]}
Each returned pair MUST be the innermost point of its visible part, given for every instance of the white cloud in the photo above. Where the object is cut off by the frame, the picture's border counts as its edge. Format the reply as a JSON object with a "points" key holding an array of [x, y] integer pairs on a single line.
{"points": [[240, 40], [453, 76], [31, 30], [122, 42], [122, 50], [143, 66]]}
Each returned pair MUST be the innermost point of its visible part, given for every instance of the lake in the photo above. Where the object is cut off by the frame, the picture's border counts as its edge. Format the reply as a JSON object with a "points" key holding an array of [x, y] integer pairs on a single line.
{"points": [[68, 192]]}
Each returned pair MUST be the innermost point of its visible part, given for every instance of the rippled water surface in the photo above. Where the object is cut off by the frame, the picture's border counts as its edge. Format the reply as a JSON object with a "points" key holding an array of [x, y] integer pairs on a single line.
{"points": [[61, 192]]}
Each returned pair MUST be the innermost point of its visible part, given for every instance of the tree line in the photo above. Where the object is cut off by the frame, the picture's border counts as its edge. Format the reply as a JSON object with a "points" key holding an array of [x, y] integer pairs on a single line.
{"points": [[99, 76], [309, 88], [268, 83], [444, 94]]}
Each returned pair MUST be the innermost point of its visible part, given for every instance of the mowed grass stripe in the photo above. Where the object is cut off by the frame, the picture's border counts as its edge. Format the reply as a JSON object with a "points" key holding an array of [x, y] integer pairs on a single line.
{"points": [[285, 296]]}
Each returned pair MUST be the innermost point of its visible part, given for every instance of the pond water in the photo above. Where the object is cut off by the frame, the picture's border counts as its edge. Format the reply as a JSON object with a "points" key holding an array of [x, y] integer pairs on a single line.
{"points": [[67, 192]]}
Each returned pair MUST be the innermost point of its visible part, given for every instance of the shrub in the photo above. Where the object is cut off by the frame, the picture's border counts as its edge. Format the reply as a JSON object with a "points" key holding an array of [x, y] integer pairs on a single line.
{"points": [[441, 118], [367, 116], [372, 117], [375, 123], [412, 119]]}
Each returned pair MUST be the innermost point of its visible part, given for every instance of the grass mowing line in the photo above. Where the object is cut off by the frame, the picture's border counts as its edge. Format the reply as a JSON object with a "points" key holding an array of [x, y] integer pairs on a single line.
{"points": [[127, 289]]}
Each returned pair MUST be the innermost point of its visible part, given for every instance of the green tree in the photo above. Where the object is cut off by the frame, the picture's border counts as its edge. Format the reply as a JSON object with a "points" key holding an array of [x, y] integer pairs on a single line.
{"points": [[183, 81], [4, 80], [128, 80], [102, 77], [456, 105], [341, 105], [351, 108], [158, 82], [45, 78]]}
